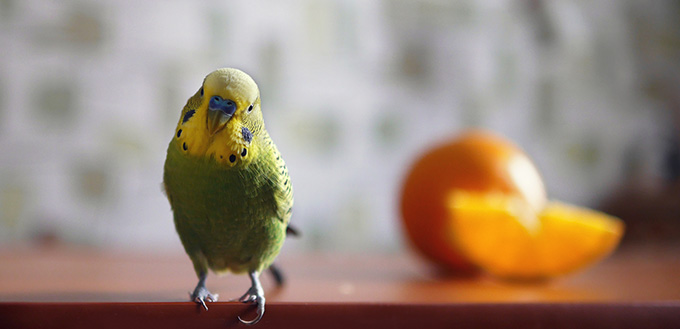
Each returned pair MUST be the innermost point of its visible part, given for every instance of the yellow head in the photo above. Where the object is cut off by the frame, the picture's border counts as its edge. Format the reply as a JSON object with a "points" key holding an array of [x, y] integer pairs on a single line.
{"points": [[223, 119]]}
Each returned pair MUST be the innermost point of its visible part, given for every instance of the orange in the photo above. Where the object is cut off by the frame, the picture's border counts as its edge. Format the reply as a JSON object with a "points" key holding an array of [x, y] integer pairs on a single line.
{"points": [[507, 238], [475, 161]]}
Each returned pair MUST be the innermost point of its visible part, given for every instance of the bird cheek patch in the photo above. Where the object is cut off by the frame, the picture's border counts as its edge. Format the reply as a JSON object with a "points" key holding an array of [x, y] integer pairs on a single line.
{"points": [[247, 135], [188, 115]]}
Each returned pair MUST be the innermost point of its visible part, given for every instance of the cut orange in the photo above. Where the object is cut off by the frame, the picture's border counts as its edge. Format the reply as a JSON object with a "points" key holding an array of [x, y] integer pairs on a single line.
{"points": [[505, 236], [475, 160]]}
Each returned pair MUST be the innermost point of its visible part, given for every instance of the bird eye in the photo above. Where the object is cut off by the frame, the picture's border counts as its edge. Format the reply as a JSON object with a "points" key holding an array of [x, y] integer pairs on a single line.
{"points": [[250, 108], [201, 91]]}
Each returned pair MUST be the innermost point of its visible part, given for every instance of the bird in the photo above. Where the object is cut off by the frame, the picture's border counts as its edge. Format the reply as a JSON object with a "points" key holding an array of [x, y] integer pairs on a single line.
{"points": [[228, 186]]}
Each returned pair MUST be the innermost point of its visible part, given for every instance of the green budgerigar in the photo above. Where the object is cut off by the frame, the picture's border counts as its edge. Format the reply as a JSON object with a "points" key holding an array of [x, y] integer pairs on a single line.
{"points": [[228, 186]]}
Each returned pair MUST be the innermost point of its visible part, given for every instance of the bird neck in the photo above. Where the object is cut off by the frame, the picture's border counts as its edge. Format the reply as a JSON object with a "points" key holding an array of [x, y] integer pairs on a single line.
{"points": [[229, 150]]}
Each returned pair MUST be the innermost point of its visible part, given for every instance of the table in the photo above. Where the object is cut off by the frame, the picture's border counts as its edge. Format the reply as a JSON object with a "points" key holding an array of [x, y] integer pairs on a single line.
{"points": [[81, 287]]}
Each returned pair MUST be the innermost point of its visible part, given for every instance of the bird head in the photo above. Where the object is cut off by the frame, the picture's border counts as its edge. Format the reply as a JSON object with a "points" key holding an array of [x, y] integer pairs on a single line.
{"points": [[222, 118]]}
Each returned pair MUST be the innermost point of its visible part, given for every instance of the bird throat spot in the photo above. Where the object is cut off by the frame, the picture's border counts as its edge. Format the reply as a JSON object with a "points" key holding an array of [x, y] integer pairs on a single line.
{"points": [[247, 135]]}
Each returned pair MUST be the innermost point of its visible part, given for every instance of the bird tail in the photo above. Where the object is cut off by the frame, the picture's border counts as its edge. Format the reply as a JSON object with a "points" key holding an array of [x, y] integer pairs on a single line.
{"points": [[292, 231]]}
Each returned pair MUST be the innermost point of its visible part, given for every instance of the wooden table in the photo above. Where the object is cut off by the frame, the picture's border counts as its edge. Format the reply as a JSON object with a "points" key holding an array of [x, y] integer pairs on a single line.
{"points": [[78, 288]]}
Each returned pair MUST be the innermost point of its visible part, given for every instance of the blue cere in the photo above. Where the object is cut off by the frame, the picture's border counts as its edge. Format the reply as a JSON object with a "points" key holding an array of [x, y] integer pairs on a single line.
{"points": [[227, 106]]}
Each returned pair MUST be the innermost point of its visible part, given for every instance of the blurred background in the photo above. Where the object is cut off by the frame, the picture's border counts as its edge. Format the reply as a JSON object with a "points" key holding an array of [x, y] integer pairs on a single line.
{"points": [[353, 91]]}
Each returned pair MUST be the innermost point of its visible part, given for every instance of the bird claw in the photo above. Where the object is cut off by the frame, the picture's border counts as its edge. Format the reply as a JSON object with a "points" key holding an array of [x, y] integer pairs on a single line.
{"points": [[200, 295], [202, 302], [259, 301]]}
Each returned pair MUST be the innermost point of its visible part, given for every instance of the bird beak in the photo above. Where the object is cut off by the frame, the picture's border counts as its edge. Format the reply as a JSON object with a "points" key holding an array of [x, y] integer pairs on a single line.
{"points": [[220, 112], [217, 120]]}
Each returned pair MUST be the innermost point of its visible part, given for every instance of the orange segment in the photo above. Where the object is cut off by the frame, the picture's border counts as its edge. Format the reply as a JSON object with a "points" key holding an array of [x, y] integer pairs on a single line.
{"points": [[503, 235], [585, 236]]}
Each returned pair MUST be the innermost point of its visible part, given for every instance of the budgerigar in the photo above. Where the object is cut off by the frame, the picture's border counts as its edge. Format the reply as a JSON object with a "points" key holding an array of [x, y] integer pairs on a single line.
{"points": [[228, 186]]}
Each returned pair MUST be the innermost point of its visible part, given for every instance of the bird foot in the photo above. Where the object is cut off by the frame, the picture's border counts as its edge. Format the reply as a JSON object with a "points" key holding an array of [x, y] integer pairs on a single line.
{"points": [[249, 296], [201, 295], [256, 297]]}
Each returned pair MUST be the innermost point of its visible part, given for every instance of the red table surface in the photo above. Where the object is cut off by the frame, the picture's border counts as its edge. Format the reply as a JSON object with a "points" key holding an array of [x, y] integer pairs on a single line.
{"points": [[78, 288]]}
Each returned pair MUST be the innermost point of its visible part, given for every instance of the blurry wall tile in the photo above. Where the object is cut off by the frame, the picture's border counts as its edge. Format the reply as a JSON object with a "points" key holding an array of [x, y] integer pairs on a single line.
{"points": [[318, 132], [84, 27], [54, 104], [3, 100], [74, 27], [271, 62], [389, 128], [13, 201], [6, 10], [91, 182], [414, 62]]}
